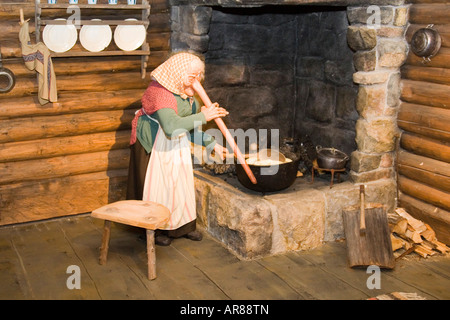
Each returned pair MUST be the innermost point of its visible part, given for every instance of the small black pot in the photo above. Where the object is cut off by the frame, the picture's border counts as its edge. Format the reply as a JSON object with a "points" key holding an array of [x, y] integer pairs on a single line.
{"points": [[331, 158]]}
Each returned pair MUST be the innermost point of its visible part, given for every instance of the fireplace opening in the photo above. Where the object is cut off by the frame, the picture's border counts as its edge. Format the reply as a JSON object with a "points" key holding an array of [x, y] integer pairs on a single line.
{"points": [[291, 68]]}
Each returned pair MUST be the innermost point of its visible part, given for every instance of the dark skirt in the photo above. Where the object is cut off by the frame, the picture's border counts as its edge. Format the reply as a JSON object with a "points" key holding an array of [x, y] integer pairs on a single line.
{"points": [[137, 170]]}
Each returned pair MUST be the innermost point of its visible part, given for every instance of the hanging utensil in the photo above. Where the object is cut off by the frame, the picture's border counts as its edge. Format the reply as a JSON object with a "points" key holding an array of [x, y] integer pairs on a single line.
{"points": [[7, 78], [426, 43]]}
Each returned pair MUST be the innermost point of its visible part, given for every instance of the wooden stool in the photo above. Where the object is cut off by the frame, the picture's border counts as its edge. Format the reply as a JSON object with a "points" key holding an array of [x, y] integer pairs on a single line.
{"points": [[143, 214]]}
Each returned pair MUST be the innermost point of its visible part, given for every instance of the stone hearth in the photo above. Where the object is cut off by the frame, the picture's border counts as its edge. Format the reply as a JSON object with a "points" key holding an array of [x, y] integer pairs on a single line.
{"points": [[301, 217]]}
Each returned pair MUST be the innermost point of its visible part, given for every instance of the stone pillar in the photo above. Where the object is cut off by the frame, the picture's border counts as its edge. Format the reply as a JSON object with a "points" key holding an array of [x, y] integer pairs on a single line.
{"points": [[190, 27], [380, 50]]}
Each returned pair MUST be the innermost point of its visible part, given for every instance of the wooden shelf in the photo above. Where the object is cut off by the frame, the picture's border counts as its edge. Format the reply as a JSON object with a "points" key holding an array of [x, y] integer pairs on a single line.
{"points": [[96, 22], [101, 53], [144, 52], [95, 6]]}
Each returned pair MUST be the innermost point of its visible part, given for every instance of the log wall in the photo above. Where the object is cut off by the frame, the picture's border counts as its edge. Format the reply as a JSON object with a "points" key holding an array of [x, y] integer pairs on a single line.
{"points": [[424, 116], [71, 156]]}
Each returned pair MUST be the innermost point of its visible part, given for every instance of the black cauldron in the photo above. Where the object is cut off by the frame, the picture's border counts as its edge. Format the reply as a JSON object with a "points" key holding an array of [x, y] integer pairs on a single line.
{"points": [[269, 178]]}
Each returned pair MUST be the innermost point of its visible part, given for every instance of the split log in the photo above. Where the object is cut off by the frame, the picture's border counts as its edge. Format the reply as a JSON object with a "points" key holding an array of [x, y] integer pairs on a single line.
{"points": [[429, 233], [397, 223], [432, 94], [39, 169], [37, 200], [425, 120], [435, 149], [64, 125], [439, 246], [397, 243], [418, 236], [424, 251], [60, 146], [424, 192], [412, 235], [413, 227]]}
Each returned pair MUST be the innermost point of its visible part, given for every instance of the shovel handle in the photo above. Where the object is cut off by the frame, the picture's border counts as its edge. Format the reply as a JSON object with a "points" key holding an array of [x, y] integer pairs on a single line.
{"points": [[362, 226]]}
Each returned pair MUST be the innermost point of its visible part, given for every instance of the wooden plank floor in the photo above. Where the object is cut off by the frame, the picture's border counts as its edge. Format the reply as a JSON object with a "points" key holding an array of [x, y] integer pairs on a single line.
{"points": [[34, 259]]}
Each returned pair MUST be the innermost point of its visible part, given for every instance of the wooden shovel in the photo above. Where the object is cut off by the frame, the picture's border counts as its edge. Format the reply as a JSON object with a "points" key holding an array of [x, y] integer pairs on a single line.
{"points": [[367, 235], [204, 96]]}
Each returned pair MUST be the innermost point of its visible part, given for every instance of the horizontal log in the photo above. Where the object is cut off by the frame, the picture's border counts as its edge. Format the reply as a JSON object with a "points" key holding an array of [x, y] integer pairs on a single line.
{"points": [[424, 192], [424, 163], [437, 218], [436, 13], [10, 10], [443, 29], [39, 169], [424, 120], [409, 167], [441, 60], [69, 103], [76, 66], [33, 128], [159, 41], [26, 86], [420, 92], [428, 74], [60, 146], [427, 147], [38, 200]]}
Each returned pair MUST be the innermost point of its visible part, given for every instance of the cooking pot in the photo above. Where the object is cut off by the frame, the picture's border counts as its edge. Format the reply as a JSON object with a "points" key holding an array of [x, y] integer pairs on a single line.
{"points": [[269, 178], [426, 42], [331, 158], [8, 75]]}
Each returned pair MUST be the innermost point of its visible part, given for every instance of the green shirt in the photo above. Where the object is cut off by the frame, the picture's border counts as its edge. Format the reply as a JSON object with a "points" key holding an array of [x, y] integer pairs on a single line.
{"points": [[173, 123]]}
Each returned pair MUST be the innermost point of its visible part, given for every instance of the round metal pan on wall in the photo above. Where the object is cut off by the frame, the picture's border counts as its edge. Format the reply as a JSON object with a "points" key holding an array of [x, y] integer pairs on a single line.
{"points": [[7, 78], [426, 42]]}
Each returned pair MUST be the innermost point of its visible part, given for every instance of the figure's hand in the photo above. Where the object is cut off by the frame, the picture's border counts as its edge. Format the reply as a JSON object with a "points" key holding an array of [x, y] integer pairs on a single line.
{"points": [[214, 111], [221, 151]]}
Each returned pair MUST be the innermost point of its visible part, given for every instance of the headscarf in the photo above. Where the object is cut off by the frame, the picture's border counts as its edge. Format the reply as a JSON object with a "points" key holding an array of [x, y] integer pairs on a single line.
{"points": [[169, 78], [170, 74]]}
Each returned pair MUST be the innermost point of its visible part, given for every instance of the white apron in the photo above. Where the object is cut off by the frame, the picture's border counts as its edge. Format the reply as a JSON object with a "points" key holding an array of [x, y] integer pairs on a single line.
{"points": [[170, 178]]}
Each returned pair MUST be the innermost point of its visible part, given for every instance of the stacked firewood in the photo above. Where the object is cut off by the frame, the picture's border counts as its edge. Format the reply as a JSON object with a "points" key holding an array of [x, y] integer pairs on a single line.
{"points": [[412, 235]]}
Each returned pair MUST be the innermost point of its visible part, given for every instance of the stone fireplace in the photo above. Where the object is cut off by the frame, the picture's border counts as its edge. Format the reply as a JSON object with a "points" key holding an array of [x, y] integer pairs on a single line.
{"points": [[324, 70]]}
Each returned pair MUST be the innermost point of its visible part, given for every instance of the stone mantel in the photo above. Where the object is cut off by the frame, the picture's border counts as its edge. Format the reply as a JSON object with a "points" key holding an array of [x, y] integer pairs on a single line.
{"points": [[259, 3]]}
